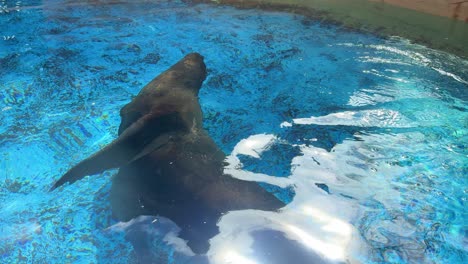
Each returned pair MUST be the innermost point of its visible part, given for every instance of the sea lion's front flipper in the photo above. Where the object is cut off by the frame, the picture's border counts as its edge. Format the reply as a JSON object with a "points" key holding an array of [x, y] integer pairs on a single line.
{"points": [[146, 134]]}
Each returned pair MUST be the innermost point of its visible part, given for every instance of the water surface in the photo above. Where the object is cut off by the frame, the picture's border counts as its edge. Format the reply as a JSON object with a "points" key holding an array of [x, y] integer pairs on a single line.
{"points": [[364, 137]]}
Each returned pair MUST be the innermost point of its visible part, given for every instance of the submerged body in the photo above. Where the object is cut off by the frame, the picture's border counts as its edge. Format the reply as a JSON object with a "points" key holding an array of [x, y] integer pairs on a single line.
{"points": [[168, 164]]}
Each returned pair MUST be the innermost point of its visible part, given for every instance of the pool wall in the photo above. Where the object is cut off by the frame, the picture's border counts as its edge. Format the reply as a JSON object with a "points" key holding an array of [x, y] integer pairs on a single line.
{"points": [[431, 23], [455, 9]]}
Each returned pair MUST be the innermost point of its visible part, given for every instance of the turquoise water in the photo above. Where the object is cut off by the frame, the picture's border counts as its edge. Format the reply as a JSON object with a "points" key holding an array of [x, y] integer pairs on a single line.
{"points": [[366, 136]]}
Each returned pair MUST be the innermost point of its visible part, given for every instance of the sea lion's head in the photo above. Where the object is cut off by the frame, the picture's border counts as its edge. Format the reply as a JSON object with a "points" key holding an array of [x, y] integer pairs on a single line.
{"points": [[184, 77], [190, 72]]}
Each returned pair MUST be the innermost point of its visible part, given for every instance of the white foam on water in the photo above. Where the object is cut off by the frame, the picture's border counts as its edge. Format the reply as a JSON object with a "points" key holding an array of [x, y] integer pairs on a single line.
{"points": [[379, 74], [254, 145], [368, 97], [389, 93], [365, 118], [453, 76], [415, 56], [372, 59], [315, 219], [354, 172]]}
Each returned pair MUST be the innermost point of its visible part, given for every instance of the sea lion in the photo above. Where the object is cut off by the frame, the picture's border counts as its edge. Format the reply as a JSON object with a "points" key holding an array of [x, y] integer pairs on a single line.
{"points": [[168, 164]]}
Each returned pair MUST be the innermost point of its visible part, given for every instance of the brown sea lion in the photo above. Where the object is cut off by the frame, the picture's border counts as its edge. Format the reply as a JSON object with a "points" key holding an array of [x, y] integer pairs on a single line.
{"points": [[168, 164]]}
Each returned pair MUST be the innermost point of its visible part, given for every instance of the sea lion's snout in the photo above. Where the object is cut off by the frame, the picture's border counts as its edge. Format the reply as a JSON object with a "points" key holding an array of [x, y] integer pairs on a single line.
{"points": [[191, 71], [194, 62], [194, 56]]}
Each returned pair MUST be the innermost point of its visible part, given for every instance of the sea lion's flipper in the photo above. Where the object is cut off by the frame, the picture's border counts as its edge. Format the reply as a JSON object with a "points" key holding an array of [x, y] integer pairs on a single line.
{"points": [[198, 236], [233, 194], [146, 134]]}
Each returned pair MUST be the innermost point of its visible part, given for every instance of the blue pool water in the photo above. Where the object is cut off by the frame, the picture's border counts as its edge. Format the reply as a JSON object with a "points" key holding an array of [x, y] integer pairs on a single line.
{"points": [[364, 137]]}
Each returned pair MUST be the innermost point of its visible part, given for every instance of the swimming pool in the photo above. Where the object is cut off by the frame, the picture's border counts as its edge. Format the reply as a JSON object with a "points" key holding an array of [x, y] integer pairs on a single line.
{"points": [[364, 137]]}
